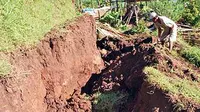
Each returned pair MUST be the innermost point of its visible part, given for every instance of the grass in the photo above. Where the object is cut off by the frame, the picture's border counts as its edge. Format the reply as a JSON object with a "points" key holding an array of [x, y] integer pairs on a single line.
{"points": [[5, 68], [173, 85], [191, 53], [106, 102], [25, 22]]}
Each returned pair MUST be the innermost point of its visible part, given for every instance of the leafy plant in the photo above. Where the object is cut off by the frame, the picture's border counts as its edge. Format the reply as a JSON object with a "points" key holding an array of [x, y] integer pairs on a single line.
{"points": [[140, 28], [123, 27], [113, 18]]}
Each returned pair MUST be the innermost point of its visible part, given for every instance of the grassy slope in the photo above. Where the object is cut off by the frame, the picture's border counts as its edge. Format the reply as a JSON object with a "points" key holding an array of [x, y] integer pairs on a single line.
{"points": [[191, 53], [173, 85], [24, 22]]}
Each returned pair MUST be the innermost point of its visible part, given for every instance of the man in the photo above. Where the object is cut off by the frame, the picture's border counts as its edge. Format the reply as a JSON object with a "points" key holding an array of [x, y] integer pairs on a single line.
{"points": [[167, 29]]}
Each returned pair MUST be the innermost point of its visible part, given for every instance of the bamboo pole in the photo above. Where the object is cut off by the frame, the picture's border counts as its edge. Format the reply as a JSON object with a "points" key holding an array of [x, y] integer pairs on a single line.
{"points": [[117, 6]]}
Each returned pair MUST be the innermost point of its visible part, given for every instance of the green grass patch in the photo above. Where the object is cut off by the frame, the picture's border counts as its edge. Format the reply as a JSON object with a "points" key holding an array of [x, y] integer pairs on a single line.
{"points": [[191, 53], [173, 85], [24, 22], [106, 102], [5, 68]]}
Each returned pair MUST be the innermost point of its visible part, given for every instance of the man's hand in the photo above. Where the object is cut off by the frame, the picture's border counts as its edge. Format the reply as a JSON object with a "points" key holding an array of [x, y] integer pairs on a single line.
{"points": [[158, 40]]}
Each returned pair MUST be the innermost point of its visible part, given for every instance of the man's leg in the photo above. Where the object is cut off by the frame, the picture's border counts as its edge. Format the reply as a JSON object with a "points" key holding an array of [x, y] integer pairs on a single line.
{"points": [[172, 38], [170, 45]]}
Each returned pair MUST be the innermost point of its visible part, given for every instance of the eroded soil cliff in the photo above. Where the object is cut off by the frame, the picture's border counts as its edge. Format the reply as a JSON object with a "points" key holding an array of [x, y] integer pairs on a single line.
{"points": [[44, 76]]}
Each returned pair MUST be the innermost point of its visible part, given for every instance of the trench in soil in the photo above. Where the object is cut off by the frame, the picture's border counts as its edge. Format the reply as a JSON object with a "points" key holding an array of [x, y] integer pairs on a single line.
{"points": [[117, 86]]}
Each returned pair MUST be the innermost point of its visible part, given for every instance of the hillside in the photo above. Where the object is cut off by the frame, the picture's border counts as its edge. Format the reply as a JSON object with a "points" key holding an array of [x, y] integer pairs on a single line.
{"points": [[24, 22], [52, 60]]}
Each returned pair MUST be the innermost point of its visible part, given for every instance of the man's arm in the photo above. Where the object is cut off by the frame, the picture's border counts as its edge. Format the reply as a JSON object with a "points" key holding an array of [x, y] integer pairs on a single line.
{"points": [[159, 33], [171, 28]]}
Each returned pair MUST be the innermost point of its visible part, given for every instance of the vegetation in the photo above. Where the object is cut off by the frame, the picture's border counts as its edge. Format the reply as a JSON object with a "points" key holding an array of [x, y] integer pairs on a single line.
{"points": [[189, 10], [24, 22], [192, 54], [5, 68], [105, 102], [140, 28], [173, 85], [192, 12], [113, 18], [169, 8], [90, 3]]}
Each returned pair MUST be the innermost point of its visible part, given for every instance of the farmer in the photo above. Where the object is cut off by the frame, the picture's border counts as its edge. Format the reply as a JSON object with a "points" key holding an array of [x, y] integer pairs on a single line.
{"points": [[167, 29]]}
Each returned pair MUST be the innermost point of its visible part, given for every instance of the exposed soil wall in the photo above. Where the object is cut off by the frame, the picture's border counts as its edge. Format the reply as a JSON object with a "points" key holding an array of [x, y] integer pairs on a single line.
{"points": [[44, 76], [151, 99]]}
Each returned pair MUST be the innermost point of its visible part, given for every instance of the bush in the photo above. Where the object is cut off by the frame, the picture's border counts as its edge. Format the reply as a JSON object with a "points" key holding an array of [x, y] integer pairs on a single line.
{"points": [[192, 12], [26, 21]]}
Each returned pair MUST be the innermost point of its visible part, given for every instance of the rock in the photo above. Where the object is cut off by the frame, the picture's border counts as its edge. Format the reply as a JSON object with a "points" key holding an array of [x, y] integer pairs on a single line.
{"points": [[9, 90], [103, 52]]}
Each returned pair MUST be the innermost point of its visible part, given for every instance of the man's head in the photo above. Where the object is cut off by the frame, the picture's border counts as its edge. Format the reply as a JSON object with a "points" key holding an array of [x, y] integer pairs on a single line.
{"points": [[153, 16]]}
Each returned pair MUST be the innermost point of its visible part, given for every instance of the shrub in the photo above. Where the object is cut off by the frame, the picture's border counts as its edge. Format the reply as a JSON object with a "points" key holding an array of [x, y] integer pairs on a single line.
{"points": [[192, 12]]}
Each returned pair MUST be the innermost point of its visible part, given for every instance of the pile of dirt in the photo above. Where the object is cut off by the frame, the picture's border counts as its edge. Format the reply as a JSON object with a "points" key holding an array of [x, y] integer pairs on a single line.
{"points": [[45, 76], [126, 63], [78, 103]]}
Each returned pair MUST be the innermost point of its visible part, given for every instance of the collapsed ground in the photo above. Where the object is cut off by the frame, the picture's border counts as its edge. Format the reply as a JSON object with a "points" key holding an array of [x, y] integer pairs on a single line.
{"points": [[140, 76]]}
